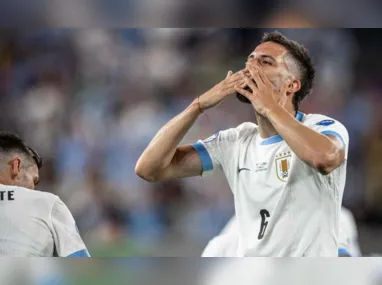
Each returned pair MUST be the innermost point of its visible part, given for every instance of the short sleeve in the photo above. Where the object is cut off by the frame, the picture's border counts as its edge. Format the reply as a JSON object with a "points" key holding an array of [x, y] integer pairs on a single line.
{"points": [[67, 239], [331, 127], [215, 150]]}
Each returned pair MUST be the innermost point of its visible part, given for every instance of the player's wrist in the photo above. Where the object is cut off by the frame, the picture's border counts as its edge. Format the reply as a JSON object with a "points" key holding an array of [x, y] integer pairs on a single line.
{"points": [[202, 103], [271, 110], [195, 107]]}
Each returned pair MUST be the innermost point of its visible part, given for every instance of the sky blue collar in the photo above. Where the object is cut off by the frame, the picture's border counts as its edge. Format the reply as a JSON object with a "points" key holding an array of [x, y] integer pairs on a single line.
{"points": [[278, 138]]}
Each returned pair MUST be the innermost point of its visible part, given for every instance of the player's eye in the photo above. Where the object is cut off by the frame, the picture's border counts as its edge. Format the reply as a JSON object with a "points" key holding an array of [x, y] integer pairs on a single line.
{"points": [[265, 62]]}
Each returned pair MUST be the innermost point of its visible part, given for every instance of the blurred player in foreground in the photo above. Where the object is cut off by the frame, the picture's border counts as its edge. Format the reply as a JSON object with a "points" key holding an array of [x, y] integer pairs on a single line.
{"points": [[287, 173], [32, 223], [349, 245], [226, 243]]}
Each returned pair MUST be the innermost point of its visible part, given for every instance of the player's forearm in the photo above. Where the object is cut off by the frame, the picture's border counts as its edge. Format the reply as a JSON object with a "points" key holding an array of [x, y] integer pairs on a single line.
{"points": [[161, 150], [315, 149]]}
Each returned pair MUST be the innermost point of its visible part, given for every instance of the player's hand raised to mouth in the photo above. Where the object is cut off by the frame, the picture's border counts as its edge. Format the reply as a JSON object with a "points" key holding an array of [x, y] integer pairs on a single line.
{"points": [[216, 94], [264, 95]]}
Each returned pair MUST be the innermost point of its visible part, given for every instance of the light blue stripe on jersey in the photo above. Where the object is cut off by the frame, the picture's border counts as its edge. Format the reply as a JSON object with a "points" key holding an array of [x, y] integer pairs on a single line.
{"points": [[343, 251], [204, 156], [335, 134], [278, 138], [271, 140], [80, 253], [299, 116]]}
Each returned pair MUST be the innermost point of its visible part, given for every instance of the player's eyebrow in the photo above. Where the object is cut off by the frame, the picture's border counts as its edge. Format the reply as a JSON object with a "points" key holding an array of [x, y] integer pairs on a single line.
{"points": [[263, 56]]}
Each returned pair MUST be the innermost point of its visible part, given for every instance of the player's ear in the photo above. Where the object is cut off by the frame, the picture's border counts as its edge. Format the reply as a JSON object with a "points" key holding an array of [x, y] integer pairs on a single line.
{"points": [[294, 86], [15, 164]]}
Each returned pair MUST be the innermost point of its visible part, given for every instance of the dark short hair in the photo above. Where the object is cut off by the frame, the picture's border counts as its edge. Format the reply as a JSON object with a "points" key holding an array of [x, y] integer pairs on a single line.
{"points": [[304, 62], [12, 142]]}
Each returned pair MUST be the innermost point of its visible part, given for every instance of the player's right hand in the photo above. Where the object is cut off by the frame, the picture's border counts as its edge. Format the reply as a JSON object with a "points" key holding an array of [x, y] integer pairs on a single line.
{"points": [[220, 91]]}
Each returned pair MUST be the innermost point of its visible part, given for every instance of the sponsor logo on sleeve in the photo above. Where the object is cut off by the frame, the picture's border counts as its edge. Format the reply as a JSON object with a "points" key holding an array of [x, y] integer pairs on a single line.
{"points": [[325, 123], [211, 138]]}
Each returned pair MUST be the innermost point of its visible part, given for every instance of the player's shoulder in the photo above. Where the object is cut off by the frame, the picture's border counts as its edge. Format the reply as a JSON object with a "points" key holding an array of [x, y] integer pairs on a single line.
{"points": [[247, 127], [233, 134], [37, 195], [346, 215], [243, 130], [319, 120], [345, 212], [231, 227], [348, 223]]}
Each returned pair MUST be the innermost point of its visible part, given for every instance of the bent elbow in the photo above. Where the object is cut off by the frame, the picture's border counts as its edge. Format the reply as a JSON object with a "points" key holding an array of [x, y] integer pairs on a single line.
{"points": [[324, 169], [325, 163], [144, 173], [145, 177]]}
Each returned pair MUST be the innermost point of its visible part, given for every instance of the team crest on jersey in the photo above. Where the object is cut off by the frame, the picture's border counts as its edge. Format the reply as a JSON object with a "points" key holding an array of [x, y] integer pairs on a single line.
{"points": [[282, 162], [211, 138]]}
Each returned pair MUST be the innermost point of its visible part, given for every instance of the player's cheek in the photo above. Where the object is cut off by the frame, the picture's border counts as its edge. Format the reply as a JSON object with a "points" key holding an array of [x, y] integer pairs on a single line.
{"points": [[275, 81], [276, 78]]}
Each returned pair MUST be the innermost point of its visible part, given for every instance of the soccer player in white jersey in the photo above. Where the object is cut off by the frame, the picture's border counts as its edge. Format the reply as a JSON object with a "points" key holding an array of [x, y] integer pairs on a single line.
{"points": [[226, 243], [287, 172], [32, 223]]}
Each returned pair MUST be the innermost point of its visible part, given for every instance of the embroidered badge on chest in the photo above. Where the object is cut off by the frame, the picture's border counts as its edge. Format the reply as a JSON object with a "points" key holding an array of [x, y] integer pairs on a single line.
{"points": [[282, 162]]}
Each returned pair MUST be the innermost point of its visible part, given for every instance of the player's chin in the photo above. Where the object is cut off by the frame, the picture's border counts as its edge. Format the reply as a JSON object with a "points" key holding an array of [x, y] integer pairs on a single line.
{"points": [[242, 98]]}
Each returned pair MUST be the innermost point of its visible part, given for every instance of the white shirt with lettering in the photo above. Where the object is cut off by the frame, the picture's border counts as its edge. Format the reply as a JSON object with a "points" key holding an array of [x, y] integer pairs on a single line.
{"points": [[35, 223]]}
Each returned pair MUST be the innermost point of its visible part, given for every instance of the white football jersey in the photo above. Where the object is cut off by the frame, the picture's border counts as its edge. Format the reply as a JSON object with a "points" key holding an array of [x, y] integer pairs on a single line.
{"points": [[35, 223], [348, 234], [226, 243], [284, 207]]}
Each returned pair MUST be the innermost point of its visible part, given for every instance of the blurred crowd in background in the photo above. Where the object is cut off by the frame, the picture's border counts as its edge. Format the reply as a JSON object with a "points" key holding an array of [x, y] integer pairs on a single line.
{"points": [[184, 13], [90, 100]]}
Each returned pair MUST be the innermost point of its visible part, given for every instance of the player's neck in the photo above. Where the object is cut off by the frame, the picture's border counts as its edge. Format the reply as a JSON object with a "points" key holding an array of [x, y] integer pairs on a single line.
{"points": [[266, 129]]}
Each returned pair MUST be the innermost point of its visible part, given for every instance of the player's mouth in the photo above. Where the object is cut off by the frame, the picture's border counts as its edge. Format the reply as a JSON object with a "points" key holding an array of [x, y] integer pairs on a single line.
{"points": [[243, 98]]}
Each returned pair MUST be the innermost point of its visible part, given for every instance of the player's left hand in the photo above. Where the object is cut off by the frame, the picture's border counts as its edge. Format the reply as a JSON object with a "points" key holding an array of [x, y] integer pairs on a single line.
{"points": [[264, 96]]}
